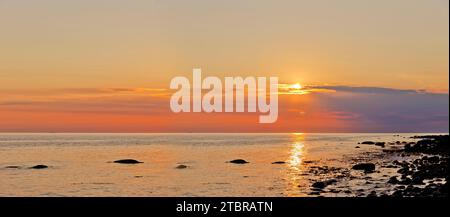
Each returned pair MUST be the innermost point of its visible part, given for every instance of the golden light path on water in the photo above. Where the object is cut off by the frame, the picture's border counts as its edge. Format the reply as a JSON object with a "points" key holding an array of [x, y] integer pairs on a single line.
{"points": [[296, 156], [296, 151]]}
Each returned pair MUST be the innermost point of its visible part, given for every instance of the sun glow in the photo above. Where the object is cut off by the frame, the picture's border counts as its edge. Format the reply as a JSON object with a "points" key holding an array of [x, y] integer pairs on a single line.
{"points": [[295, 89], [296, 86]]}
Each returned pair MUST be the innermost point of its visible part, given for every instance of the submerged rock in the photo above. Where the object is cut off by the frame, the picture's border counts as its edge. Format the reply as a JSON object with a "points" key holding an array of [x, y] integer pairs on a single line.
{"points": [[127, 161], [239, 161], [39, 166], [381, 144], [12, 167], [367, 167]]}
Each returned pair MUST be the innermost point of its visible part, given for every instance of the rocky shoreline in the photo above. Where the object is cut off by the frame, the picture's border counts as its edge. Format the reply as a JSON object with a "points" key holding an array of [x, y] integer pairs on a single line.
{"points": [[428, 174], [423, 172]]}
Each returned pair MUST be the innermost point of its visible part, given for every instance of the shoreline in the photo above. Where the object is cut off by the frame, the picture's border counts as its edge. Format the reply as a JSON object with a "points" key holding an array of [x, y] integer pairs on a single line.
{"points": [[422, 172]]}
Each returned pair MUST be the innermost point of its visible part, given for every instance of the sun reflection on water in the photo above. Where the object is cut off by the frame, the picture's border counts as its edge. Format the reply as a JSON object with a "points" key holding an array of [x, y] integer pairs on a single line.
{"points": [[296, 157]]}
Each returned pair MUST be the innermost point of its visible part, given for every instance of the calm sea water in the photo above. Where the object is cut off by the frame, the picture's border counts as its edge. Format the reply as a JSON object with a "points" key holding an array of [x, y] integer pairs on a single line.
{"points": [[80, 164]]}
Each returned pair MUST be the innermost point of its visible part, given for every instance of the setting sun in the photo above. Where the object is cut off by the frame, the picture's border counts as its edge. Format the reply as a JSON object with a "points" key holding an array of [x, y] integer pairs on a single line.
{"points": [[296, 86]]}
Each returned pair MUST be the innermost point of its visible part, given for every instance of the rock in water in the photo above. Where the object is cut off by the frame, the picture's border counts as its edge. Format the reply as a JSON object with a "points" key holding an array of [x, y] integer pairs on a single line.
{"points": [[278, 162], [12, 167], [39, 166], [318, 185], [239, 161], [367, 167], [181, 166], [127, 161]]}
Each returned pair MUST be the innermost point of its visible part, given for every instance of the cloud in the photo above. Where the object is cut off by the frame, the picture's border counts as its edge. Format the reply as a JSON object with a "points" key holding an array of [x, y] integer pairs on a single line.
{"points": [[388, 110], [318, 109], [374, 90]]}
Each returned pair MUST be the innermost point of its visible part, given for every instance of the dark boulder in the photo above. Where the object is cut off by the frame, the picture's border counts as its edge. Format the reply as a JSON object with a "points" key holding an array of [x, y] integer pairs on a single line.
{"points": [[127, 161], [278, 162], [239, 161], [318, 185], [367, 167], [39, 166]]}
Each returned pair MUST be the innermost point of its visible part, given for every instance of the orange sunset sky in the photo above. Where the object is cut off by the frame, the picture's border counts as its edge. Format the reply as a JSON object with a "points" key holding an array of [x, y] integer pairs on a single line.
{"points": [[106, 65]]}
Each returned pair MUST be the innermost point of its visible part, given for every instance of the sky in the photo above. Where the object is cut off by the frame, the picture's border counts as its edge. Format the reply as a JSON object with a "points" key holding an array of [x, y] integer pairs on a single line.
{"points": [[106, 65]]}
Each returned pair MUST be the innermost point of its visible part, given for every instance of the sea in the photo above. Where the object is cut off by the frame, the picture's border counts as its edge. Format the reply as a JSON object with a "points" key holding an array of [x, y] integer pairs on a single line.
{"points": [[82, 164]]}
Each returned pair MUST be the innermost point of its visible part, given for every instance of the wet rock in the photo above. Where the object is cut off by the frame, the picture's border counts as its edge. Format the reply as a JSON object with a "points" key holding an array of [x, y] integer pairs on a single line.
{"points": [[39, 166], [278, 162], [393, 180], [181, 166], [239, 161], [323, 184], [367, 167], [127, 161], [381, 144], [308, 161], [319, 185]]}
